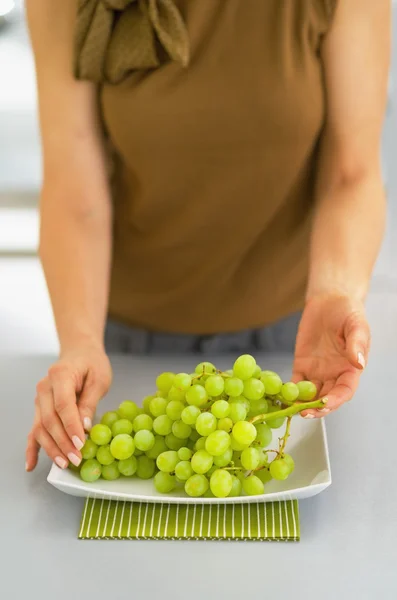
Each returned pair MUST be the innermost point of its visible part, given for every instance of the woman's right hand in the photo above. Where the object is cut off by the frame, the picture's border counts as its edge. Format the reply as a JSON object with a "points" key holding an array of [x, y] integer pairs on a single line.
{"points": [[65, 405]]}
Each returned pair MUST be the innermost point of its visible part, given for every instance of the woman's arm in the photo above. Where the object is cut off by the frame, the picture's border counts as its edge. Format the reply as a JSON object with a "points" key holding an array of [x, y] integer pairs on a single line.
{"points": [[350, 207], [75, 237], [333, 338]]}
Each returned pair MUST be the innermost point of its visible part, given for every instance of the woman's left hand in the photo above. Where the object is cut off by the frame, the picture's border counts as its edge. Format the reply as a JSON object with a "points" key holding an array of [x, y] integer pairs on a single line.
{"points": [[332, 348]]}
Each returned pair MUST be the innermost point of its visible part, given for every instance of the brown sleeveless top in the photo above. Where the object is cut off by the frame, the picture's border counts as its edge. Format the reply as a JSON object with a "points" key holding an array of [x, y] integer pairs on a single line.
{"points": [[215, 109]]}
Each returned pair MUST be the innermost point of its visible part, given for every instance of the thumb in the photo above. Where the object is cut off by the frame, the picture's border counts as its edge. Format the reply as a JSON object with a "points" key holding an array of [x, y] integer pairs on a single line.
{"points": [[358, 339]]}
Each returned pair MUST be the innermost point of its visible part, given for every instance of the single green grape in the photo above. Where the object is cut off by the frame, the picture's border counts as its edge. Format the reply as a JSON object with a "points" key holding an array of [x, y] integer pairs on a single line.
{"points": [[215, 385], [162, 425], [189, 414], [158, 406], [253, 389], [146, 467], [184, 453], [122, 426], [128, 410], [128, 466], [236, 487], [110, 472], [279, 469], [263, 459], [217, 442], [164, 482], [144, 440], [122, 446], [290, 391], [143, 422], [91, 470], [196, 485], [221, 483], [200, 444], [101, 434], [307, 390], [237, 458], [264, 435], [235, 445], [158, 447], [175, 395], [290, 462], [174, 410], [104, 456], [220, 409], [225, 424], [196, 395], [244, 367], [181, 430], [201, 461], [182, 381], [89, 450], [184, 470], [264, 475], [223, 460], [250, 458], [110, 417], [238, 412], [164, 382], [205, 367], [167, 461], [244, 433], [265, 373], [146, 405], [259, 407], [258, 372], [241, 400], [194, 436], [253, 486], [234, 387], [206, 423], [174, 443], [272, 383], [278, 421]]}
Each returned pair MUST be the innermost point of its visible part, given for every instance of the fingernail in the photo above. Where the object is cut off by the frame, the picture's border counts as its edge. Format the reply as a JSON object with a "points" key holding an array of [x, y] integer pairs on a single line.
{"points": [[61, 462], [87, 424], [324, 410], [75, 460], [77, 442], [26, 467], [361, 360], [308, 416]]}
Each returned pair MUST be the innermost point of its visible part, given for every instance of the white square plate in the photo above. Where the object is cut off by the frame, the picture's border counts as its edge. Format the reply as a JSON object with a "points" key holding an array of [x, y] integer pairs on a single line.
{"points": [[307, 445]]}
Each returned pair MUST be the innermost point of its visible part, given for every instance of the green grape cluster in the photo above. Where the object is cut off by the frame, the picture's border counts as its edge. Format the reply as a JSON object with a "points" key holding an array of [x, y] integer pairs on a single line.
{"points": [[207, 433]]}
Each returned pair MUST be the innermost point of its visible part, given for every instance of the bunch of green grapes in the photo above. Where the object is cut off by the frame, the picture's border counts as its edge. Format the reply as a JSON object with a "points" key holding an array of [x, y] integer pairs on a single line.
{"points": [[201, 432]]}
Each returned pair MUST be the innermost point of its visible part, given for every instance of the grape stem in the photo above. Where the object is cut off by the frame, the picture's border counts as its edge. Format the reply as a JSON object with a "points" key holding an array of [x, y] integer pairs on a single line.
{"points": [[284, 439], [290, 411]]}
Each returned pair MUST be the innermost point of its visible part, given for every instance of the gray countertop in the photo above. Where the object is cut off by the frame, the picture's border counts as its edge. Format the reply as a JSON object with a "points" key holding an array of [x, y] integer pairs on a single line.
{"points": [[348, 545]]}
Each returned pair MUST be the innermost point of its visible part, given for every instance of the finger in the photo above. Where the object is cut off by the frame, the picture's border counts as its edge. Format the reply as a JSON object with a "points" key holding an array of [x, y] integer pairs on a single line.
{"points": [[358, 338], [64, 394], [53, 425], [32, 452], [94, 389], [49, 446], [341, 392], [32, 447]]}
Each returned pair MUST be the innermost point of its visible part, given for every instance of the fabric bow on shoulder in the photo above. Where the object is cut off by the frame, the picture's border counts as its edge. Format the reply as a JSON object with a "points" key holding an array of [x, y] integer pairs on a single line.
{"points": [[116, 37]]}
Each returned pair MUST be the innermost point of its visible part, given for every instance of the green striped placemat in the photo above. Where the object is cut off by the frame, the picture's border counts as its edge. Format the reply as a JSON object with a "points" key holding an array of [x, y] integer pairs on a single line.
{"points": [[109, 519]]}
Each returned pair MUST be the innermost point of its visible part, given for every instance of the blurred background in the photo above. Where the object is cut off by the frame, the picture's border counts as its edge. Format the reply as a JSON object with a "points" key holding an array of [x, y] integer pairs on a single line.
{"points": [[26, 323]]}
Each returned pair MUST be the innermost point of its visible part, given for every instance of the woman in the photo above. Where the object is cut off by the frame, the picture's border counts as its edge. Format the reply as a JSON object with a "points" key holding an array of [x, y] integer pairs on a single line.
{"points": [[245, 187]]}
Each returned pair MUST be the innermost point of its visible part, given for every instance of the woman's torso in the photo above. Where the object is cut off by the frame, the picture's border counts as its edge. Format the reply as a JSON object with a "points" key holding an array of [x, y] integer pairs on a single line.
{"points": [[215, 168]]}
